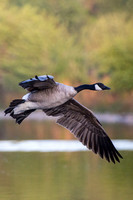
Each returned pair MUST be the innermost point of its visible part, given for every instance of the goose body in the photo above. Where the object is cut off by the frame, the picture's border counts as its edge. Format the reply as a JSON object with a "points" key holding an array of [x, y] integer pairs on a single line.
{"points": [[56, 99], [52, 97]]}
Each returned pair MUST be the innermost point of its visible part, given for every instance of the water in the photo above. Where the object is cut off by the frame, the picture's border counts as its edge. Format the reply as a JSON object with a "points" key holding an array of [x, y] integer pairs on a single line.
{"points": [[55, 145], [79, 175], [68, 176]]}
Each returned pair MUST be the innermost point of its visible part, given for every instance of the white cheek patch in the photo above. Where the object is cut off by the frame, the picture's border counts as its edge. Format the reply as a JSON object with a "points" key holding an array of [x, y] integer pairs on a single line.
{"points": [[97, 87]]}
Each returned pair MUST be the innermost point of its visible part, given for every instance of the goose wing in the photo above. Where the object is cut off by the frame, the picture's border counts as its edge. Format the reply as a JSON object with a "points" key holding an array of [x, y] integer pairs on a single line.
{"points": [[38, 83], [85, 126]]}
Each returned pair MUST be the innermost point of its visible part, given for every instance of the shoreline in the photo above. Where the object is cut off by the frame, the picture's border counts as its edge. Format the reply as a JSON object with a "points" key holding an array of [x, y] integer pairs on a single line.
{"points": [[102, 117]]}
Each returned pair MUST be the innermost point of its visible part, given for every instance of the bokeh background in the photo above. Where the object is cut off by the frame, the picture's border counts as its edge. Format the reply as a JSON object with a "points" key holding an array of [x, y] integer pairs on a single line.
{"points": [[76, 41]]}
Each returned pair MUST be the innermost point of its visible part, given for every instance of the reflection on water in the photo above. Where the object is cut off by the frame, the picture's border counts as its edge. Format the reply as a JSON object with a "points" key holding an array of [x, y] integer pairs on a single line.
{"points": [[67, 176], [50, 130], [62, 175]]}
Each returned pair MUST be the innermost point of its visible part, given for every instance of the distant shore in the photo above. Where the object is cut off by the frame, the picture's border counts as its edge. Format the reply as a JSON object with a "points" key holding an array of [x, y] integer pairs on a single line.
{"points": [[103, 117]]}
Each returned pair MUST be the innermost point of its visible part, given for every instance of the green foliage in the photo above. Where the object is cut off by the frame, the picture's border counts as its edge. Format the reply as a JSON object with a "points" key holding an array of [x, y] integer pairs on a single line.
{"points": [[111, 50], [106, 6], [69, 12], [72, 40], [34, 43]]}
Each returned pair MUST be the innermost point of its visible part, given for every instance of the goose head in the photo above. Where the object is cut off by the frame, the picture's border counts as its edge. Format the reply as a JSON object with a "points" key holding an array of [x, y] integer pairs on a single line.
{"points": [[100, 86]]}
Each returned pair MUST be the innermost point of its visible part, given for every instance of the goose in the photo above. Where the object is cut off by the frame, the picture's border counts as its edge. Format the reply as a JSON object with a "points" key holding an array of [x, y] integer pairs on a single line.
{"points": [[57, 100]]}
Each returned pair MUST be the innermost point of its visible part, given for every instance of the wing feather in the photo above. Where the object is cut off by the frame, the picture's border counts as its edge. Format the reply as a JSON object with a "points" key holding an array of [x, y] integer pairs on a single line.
{"points": [[38, 83], [85, 126]]}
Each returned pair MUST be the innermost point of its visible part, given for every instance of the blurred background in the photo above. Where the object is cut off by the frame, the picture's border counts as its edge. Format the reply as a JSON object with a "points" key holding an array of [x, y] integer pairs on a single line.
{"points": [[76, 41]]}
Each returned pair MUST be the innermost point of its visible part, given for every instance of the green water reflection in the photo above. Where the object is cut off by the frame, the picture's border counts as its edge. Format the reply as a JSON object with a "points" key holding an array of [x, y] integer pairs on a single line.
{"points": [[64, 176]]}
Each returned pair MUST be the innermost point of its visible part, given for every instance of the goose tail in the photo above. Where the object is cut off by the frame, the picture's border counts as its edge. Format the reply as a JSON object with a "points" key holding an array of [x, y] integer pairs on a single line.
{"points": [[20, 116]]}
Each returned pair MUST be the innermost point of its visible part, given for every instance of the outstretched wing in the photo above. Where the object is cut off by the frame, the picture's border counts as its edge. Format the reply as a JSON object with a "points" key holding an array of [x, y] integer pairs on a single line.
{"points": [[85, 126], [38, 83]]}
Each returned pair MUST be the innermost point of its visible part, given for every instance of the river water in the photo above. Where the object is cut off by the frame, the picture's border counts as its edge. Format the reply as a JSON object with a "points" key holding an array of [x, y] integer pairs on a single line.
{"points": [[43, 161]]}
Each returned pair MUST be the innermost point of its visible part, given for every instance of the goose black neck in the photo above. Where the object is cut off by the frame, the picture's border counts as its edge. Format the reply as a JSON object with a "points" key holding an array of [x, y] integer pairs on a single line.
{"points": [[85, 87]]}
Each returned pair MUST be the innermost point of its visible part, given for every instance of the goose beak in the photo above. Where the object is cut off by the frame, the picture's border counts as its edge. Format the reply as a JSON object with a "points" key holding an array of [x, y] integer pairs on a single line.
{"points": [[106, 88]]}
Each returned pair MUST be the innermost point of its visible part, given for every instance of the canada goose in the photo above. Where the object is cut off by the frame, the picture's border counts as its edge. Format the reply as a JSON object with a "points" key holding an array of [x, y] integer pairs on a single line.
{"points": [[56, 99]]}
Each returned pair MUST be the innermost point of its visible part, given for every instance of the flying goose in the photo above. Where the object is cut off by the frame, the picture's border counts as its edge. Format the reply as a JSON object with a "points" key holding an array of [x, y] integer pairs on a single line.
{"points": [[56, 99]]}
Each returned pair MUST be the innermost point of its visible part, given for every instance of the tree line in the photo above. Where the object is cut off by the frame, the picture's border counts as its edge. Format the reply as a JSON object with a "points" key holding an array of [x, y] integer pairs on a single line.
{"points": [[76, 41]]}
